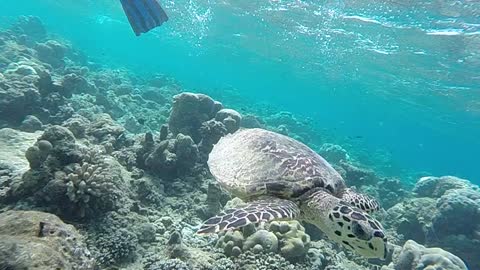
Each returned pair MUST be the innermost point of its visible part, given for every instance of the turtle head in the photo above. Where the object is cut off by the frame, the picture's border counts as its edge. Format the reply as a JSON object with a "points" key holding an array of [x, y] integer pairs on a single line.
{"points": [[357, 231]]}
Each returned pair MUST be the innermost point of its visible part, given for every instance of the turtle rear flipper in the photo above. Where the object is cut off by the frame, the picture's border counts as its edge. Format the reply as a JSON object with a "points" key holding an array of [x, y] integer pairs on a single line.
{"points": [[361, 201], [254, 212]]}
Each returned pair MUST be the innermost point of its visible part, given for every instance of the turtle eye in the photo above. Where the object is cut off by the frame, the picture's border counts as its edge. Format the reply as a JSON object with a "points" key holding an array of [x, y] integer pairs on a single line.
{"points": [[358, 231], [379, 234]]}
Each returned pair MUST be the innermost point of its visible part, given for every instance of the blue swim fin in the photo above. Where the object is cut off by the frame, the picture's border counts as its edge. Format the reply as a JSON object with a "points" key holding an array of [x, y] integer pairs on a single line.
{"points": [[144, 15]]}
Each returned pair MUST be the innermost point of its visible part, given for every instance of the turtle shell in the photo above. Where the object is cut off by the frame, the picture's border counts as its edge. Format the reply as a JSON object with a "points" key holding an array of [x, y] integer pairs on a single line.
{"points": [[254, 162]]}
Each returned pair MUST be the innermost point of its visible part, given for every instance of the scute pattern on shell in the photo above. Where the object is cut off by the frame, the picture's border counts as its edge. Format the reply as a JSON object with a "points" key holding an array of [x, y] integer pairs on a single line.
{"points": [[253, 162]]}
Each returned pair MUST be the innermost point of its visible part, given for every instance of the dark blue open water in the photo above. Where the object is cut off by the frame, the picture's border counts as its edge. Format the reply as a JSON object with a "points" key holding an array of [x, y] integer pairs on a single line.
{"points": [[400, 79]]}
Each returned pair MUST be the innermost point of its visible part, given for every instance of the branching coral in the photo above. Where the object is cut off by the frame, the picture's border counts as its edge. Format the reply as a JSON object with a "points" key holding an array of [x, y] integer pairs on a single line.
{"points": [[95, 186], [76, 179], [115, 246]]}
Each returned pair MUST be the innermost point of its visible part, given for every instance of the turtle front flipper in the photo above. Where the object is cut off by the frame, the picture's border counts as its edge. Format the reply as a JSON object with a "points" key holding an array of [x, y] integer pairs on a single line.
{"points": [[257, 211], [361, 201]]}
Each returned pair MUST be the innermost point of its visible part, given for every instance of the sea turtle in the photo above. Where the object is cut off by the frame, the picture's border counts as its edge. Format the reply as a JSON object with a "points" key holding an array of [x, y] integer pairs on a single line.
{"points": [[282, 178]]}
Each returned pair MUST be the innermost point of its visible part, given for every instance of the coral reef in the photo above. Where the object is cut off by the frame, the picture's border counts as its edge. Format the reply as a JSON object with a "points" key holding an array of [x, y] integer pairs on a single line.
{"points": [[189, 112], [195, 124], [173, 155], [287, 238], [18, 98], [51, 52], [116, 246], [438, 216], [435, 187], [294, 242], [412, 219], [251, 121], [333, 153], [29, 27], [36, 240], [203, 119], [230, 118], [415, 256], [14, 144], [71, 177], [356, 175], [31, 124], [286, 123], [123, 157]]}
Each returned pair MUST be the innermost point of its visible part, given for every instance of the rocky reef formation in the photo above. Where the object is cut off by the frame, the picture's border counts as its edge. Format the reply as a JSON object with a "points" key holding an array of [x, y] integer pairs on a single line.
{"points": [[286, 238], [444, 213], [37, 240], [415, 256], [123, 158], [70, 178]]}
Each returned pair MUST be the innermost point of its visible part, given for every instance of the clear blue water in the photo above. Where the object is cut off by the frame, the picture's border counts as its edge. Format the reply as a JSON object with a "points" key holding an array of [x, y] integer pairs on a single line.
{"points": [[403, 75]]}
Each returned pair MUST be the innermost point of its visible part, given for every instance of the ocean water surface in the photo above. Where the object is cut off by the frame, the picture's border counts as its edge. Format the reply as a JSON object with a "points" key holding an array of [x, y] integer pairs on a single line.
{"points": [[397, 81]]}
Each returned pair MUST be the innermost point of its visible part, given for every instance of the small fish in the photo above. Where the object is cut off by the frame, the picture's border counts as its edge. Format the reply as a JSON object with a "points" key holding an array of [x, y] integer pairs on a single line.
{"points": [[141, 121]]}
